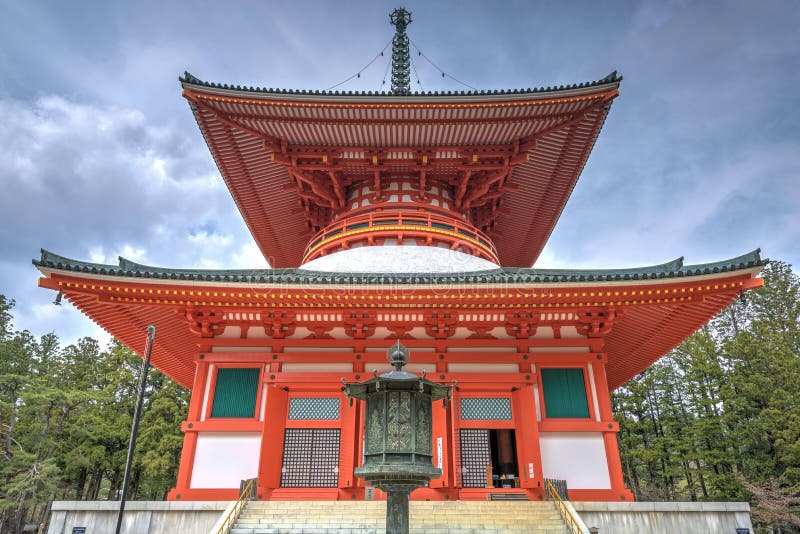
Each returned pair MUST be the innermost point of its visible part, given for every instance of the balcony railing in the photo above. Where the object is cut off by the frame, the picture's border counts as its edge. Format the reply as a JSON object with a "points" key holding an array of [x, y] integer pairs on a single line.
{"points": [[399, 222]]}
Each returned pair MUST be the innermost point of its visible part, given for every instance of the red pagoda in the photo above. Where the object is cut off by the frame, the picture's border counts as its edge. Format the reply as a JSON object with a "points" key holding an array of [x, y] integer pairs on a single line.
{"points": [[412, 217]]}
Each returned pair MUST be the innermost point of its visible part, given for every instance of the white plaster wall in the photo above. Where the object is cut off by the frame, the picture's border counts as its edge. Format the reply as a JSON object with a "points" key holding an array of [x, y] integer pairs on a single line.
{"points": [[399, 259], [221, 348], [384, 349], [570, 332], [257, 332], [483, 367], [461, 332], [223, 459], [481, 349], [499, 332], [317, 349], [230, 332], [577, 457], [559, 349], [410, 368], [318, 367], [544, 332]]}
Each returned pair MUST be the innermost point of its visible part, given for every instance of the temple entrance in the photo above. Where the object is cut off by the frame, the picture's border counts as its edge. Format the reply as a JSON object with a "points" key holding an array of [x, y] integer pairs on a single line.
{"points": [[489, 458], [310, 458], [505, 473]]}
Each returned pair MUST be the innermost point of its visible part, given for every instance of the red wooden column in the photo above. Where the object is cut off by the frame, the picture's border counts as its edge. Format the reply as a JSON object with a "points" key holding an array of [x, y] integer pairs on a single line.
{"points": [[441, 488], [439, 419], [269, 465], [348, 445], [454, 426], [527, 433], [609, 435], [190, 434]]}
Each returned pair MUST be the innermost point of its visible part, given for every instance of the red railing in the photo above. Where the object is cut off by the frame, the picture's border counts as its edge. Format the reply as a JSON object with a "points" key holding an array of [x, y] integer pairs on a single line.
{"points": [[384, 223]]}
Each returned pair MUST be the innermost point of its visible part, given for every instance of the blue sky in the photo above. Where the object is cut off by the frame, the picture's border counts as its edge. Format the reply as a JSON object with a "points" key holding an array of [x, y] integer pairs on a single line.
{"points": [[100, 156]]}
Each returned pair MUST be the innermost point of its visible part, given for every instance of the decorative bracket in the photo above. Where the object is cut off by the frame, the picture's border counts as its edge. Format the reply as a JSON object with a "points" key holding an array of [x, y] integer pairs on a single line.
{"points": [[206, 323]]}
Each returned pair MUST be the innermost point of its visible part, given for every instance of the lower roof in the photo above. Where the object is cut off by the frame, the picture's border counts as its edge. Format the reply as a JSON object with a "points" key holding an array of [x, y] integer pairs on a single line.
{"points": [[657, 306]]}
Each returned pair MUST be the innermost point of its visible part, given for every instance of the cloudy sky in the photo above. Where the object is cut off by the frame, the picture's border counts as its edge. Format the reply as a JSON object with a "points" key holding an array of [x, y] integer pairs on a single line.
{"points": [[100, 156]]}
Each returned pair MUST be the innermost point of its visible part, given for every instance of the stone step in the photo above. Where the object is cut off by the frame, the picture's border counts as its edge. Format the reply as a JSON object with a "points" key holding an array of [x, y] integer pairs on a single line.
{"points": [[379, 517], [429, 517], [333, 524], [412, 530]]}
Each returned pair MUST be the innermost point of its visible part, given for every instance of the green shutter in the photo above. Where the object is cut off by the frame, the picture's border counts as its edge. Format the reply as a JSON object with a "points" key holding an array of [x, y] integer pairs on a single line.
{"points": [[235, 394], [564, 393]]}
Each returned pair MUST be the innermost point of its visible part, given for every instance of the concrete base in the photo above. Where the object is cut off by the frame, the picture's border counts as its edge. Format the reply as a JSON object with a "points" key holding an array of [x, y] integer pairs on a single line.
{"points": [[672, 517], [141, 517]]}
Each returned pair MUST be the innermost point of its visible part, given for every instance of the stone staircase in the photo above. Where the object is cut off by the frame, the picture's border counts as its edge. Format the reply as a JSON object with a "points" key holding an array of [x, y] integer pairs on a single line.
{"points": [[427, 517]]}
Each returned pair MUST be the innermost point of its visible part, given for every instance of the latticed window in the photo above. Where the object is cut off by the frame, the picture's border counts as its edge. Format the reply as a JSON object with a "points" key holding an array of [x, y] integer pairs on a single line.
{"points": [[313, 408], [310, 458], [476, 456], [564, 393], [235, 392], [474, 409]]}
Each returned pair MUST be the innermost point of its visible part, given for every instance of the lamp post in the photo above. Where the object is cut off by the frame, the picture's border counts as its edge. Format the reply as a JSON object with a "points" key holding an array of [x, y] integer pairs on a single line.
{"points": [[137, 413], [398, 434]]}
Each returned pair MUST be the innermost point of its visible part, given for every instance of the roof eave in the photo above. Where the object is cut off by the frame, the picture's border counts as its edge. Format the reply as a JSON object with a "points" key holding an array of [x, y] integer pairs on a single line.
{"points": [[610, 82]]}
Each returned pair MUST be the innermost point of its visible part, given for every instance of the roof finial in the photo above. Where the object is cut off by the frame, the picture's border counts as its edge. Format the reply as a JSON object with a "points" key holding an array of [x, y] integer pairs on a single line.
{"points": [[401, 58]]}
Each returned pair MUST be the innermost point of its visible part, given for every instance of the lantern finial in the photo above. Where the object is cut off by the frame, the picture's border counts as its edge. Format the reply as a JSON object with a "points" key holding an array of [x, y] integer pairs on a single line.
{"points": [[398, 356]]}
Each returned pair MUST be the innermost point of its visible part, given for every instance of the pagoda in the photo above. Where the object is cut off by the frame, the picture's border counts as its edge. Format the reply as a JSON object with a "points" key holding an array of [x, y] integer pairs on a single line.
{"points": [[413, 217]]}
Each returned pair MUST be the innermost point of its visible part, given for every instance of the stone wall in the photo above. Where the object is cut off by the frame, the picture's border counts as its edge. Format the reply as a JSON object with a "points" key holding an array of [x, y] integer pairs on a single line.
{"points": [[672, 517], [141, 517]]}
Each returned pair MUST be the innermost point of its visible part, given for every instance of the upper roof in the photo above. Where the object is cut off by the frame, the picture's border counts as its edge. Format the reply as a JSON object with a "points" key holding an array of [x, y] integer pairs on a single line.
{"points": [[548, 131], [189, 79]]}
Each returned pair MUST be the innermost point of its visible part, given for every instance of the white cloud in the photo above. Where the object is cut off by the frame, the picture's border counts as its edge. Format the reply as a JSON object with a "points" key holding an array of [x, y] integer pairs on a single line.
{"points": [[94, 182], [248, 257]]}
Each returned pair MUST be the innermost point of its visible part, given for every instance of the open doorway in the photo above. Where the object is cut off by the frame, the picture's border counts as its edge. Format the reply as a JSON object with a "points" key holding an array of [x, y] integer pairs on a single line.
{"points": [[489, 458], [503, 446]]}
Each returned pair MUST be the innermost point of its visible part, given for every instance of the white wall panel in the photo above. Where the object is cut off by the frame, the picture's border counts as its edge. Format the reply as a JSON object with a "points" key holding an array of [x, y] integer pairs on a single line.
{"points": [[317, 367], [223, 459], [577, 457], [483, 367]]}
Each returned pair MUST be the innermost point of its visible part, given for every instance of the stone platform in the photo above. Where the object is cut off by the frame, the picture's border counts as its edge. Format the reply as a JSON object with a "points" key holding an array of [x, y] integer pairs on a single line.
{"points": [[363, 517], [672, 517]]}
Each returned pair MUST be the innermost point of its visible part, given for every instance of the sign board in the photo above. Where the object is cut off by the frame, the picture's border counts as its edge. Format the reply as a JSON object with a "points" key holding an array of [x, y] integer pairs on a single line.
{"points": [[369, 493], [742, 531], [439, 452], [78, 530]]}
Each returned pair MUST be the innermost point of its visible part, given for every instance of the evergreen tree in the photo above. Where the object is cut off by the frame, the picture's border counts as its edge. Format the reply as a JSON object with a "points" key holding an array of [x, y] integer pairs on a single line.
{"points": [[65, 419], [718, 418]]}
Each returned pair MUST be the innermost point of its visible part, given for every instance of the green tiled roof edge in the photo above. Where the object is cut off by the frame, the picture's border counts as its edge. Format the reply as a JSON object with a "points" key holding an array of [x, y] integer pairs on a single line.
{"points": [[189, 79], [673, 269]]}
